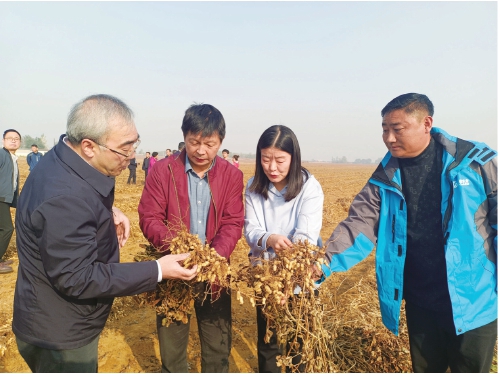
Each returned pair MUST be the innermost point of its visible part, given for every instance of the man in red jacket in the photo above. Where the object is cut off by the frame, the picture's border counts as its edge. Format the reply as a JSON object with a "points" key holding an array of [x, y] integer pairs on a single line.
{"points": [[203, 192]]}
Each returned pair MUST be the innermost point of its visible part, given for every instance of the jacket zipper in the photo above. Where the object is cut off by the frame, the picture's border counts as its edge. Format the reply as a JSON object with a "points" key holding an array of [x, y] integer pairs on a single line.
{"points": [[447, 213], [176, 193], [393, 228], [215, 206]]}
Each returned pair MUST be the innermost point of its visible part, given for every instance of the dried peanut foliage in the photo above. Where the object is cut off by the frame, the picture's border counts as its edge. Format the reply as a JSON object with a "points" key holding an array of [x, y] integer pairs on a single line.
{"points": [[296, 318], [340, 328], [174, 298], [359, 340]]}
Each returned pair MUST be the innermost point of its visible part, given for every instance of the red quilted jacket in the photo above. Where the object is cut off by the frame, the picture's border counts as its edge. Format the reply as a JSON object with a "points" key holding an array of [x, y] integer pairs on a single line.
{"points": [[165, 204]]}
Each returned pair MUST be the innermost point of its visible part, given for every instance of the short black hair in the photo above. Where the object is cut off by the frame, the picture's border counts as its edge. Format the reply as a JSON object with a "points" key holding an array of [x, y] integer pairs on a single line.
{"points": [[34, 145], [225, 150], [181, 145], [168, 149], [284, 139], [11, 130], [410, 102], [154, 154], [204, 119]]}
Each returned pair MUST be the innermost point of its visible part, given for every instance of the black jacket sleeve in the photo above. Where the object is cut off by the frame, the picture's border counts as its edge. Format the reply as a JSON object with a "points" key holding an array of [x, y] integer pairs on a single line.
{"points": [[80, 259]]}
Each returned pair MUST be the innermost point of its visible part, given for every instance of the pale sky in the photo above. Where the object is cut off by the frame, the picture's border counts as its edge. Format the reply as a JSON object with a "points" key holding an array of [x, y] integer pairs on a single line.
{"points": [[324, 69]]}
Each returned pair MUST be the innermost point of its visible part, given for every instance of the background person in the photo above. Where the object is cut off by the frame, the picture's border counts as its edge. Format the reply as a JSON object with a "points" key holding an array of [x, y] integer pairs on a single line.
{"points": [[283, 204], [132, 167], [145, 165], [181, 147], [168, 153], [431, 209], [236, 163], [178, 192], [9, 190], [225, 154], [33, 157], [152, 161], [68, 240]]}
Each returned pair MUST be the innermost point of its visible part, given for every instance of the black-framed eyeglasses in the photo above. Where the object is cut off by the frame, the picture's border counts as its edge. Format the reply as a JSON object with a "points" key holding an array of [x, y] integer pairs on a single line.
{"points": [[134, 148]]}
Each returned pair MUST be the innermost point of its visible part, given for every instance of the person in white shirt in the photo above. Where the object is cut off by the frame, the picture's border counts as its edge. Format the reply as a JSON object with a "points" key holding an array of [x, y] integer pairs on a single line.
{"points": [[283, 204]]}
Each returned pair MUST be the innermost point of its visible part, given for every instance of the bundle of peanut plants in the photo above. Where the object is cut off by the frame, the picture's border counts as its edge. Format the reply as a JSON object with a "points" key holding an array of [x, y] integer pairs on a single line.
{"points": [[174, 298], [285, 290], [360, 342]]}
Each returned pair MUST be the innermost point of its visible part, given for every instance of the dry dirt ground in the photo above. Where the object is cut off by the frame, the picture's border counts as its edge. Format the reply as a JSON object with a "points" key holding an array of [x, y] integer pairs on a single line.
{"points": [[129, 342]]}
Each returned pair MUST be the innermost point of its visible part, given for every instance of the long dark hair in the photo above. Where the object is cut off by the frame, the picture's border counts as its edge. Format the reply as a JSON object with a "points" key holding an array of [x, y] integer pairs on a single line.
{"points": [[282, 138]]}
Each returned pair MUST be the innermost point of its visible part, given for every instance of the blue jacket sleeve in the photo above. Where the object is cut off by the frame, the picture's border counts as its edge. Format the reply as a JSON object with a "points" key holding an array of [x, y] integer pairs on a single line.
{"points": [[355, 237]]}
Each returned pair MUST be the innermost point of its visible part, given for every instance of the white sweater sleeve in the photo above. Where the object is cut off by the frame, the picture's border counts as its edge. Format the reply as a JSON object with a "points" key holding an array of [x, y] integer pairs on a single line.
{"points": [[254, 227], [310, 216]]}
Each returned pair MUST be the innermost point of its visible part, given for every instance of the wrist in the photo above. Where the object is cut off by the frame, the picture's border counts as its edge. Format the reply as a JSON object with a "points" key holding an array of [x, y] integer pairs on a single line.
{"points": [[269, 241], [160, 274]]}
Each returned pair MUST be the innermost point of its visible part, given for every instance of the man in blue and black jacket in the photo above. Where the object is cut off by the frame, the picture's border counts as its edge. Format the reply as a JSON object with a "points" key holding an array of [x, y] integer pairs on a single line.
{"points": [[33, 157], [431, 209]]}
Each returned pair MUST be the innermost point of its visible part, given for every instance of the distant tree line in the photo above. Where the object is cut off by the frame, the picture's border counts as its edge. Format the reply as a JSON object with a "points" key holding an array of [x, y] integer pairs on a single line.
{"points": [[247, 155], [339, 160], [29, 140], [343, 160], [363, 161]]}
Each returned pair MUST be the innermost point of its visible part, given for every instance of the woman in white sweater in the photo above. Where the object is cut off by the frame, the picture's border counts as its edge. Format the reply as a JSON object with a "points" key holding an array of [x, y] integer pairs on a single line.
{"points": [[284, 204]]}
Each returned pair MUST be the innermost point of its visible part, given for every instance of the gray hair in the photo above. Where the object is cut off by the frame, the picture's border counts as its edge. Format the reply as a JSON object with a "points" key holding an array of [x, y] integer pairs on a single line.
{"points": [[91, 117]]}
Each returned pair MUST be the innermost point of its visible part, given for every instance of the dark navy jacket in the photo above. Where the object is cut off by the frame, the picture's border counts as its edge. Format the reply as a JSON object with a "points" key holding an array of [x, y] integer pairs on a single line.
{"points": [[68, 251]]}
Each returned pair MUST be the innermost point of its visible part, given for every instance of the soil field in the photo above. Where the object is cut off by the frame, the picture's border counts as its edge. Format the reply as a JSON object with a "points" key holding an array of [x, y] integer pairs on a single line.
{"points": [[129, 342]]}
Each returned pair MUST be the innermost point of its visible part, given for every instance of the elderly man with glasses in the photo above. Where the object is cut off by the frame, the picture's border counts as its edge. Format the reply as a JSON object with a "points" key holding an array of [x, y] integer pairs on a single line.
{"points": [[68, 239], [9, 190]]}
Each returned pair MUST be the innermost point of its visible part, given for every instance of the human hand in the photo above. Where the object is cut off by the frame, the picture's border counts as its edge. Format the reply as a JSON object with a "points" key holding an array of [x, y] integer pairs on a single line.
{"points": [[278, 242], [172, 269], [122, 225]]}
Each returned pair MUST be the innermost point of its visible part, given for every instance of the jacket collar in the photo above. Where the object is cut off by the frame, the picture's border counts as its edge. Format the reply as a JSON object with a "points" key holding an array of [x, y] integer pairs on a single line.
{"points": [[388, 169], [12, 156], [101, 183], [456, 147]]}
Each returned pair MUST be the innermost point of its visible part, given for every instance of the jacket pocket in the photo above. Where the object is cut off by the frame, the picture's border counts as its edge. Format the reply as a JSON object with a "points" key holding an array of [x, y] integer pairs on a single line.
{"points": [[84, 307]]}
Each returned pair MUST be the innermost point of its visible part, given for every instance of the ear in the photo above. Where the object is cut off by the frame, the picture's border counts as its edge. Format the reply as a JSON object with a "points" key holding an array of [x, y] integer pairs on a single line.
{"points": [[87, 148], [428, 124]]}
